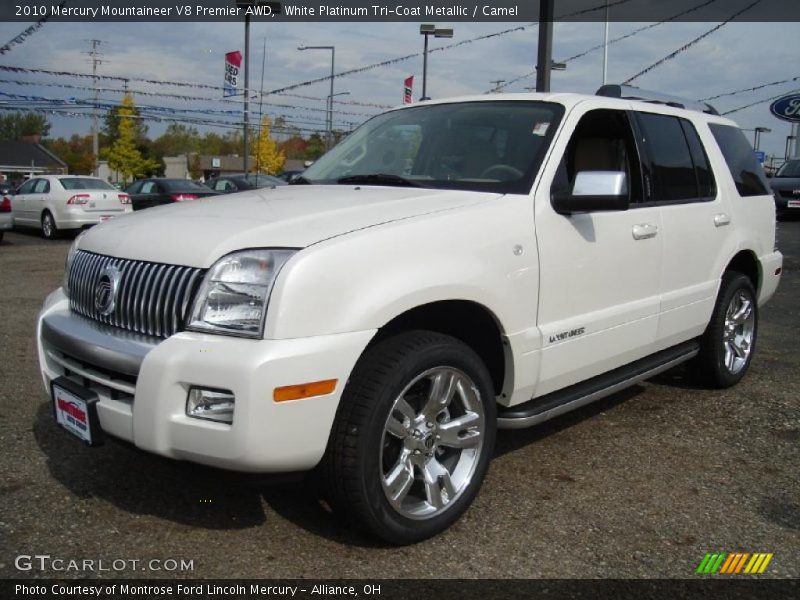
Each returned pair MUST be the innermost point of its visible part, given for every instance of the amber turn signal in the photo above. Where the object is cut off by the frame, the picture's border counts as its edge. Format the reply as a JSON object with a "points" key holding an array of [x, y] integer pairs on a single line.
{"points": [[304, 390]]}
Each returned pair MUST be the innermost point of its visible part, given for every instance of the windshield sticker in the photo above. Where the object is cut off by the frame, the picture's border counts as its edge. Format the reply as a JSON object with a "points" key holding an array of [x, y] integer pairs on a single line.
{"points": [[541, 128]]}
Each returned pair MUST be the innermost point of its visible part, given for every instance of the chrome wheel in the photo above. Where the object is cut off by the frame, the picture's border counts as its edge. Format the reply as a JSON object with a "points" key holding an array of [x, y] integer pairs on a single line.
{"points": [[737, 336], [48, 226], [432, 442]]}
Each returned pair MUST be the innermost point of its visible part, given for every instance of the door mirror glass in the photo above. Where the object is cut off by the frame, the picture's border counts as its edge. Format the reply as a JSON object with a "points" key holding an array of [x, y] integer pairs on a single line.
{"points": [[594, 191], [600, 183]]}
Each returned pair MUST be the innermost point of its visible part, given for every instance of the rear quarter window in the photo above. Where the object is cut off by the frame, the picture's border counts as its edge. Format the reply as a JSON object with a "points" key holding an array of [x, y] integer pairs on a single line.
{"points": [[741, 160]]}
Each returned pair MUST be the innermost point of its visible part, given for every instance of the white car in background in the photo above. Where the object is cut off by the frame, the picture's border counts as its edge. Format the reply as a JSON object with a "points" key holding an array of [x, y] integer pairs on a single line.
{"points": [[57, 202], [6, 215]]}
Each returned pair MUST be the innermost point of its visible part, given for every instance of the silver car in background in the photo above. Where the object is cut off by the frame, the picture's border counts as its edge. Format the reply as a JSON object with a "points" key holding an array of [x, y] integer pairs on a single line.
{"points": [[54, 203]]}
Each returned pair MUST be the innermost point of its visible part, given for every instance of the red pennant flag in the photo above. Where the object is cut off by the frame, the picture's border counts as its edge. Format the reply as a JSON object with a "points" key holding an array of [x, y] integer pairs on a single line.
{"points": [[408, 90]]}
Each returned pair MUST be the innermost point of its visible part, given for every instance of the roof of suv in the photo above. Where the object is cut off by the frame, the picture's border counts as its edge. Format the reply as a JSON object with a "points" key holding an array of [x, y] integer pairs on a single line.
{"points": [[571, 99]]}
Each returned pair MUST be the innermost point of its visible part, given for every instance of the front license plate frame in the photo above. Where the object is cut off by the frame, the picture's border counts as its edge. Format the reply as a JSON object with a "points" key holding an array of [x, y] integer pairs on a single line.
{"points": [[75, 410]]}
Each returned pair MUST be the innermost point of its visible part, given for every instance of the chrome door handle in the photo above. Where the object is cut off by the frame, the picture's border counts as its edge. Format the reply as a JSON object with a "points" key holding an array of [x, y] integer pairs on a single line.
{"points": [[721, 219], [644, 231]]}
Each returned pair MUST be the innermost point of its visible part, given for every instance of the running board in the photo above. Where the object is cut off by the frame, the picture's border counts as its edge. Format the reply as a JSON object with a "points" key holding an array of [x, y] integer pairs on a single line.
{"points": [[559, 402]]}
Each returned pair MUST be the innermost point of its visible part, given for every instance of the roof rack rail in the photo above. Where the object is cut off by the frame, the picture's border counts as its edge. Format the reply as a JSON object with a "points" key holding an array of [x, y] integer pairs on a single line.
{"points": [[629, 92]]}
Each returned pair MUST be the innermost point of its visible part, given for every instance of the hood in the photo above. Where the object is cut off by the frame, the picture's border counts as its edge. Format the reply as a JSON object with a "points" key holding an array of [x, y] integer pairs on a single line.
{"points": [[196, 233]]}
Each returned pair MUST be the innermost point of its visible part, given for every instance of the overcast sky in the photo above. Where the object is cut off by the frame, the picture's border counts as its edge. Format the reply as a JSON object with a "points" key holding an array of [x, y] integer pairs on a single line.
{"points": [[737, 56]]}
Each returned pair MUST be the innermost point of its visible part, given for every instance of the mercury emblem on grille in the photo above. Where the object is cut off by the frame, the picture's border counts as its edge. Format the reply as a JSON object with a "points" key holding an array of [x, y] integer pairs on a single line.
{"points": [[105, 292]]}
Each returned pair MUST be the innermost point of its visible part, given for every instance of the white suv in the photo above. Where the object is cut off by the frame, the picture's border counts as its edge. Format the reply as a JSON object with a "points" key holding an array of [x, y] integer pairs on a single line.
{"points": [[449, 268]]}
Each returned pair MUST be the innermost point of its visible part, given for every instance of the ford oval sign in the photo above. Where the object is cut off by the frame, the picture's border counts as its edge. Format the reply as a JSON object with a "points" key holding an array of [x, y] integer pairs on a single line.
{"points": [[787, 108]]}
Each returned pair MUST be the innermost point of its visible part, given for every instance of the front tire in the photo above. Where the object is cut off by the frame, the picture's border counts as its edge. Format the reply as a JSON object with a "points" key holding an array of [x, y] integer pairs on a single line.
{"points": [[49, 227], [413, 437], [726, 348]]}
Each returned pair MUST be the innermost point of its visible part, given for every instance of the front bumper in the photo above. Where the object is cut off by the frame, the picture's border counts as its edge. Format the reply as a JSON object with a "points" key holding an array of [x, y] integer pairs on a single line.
{"points": [[143, 384]]}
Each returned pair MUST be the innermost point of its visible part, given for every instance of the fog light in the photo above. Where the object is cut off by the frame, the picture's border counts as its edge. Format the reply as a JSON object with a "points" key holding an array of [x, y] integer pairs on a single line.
{"points": [[214, 405]]}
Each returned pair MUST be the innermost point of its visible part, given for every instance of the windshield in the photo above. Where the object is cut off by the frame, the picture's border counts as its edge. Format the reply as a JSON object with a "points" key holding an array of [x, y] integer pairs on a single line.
{"points": [[84, 183], [789, 169], [494, 146]]}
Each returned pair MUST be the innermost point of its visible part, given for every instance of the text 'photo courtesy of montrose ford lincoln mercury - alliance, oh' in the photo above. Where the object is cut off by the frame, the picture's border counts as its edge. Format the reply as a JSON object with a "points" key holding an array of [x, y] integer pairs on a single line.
{"points": [[448, 269]]}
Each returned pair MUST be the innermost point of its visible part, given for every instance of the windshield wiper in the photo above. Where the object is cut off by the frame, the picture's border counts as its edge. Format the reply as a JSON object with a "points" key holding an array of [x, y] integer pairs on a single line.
{"points": [[299, 180], [379, 179]]}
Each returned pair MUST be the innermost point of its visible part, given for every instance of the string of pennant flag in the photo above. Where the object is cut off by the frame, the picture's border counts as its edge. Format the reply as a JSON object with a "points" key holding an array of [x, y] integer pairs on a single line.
{"points": [[5, 48]]}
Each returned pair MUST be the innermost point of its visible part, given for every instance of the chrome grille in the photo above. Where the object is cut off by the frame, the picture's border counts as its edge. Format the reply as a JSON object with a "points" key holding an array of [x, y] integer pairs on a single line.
{"points": [[151, 298]]}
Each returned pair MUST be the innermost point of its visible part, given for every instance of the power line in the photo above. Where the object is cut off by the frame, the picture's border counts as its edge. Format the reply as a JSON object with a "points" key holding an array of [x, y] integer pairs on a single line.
{"points": [[612, 41], [26, 33], [750, 89], [757, 102], [688, 45]]}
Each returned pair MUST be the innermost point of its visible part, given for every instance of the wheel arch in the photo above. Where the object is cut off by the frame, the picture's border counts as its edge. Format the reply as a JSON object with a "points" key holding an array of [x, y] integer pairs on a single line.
{"points": [[468, 321], [746, 263]]}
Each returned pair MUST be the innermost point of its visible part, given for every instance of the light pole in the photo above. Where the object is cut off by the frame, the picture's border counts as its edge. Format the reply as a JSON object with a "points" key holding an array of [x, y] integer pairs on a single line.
{"points": [[329, 117], [605, 49], [329, 105], [275, 8], [429, 29], [757, 136], [544, 58], [554, 66]]}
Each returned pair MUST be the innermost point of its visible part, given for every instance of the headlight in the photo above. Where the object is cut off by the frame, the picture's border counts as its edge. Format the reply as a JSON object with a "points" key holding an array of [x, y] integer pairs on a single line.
{"points": [[233, 297], [73, 249]]}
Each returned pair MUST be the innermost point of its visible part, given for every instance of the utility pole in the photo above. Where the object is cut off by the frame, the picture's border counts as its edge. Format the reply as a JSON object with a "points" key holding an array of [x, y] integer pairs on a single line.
{"points": [[605, 50], [497, 83], [95, 58], [246, 92], [545, 51]]}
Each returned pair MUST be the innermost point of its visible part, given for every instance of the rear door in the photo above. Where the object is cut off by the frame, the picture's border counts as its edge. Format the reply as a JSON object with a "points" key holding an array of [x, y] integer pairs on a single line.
{"points": [[696, 222], [599, 271], [37, 201], [143, 196]]}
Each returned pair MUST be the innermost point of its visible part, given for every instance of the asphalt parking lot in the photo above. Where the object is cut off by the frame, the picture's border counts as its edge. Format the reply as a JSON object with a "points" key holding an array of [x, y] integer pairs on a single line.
{"points": [[642, 484]]}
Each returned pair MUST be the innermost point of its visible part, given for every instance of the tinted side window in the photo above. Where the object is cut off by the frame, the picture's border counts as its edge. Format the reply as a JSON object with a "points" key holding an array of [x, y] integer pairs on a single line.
{"points": [[602, 141], [705, 177], [745, 169], [42, 186], [670, 169], [27, 187], [148, 187]]}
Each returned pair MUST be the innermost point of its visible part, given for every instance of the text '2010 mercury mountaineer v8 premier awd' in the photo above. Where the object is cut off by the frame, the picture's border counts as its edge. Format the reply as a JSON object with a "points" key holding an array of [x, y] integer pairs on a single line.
{"points": [[448, 269]]}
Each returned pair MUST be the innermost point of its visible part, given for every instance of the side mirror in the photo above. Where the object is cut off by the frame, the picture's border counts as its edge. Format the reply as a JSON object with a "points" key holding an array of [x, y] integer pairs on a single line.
{"points": [[594, 191], [769, 174]]}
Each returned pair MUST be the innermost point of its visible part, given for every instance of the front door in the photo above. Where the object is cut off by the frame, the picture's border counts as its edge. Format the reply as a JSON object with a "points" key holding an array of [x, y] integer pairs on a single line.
{"points": [[599, 271]]}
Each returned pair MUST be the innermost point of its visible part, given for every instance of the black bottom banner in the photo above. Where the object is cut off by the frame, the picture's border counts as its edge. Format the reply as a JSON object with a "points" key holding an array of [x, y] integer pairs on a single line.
{"points": [[398, 589]]}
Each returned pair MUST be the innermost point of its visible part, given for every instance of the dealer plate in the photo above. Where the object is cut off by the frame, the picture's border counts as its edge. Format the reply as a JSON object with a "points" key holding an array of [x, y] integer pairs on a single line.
{"points": [[793, 203], [76, 411]]}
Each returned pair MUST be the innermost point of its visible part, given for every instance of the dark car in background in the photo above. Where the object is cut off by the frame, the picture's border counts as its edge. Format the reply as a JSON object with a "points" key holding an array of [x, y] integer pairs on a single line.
{"points": [[159, 190], [786, 187], [289, 176], [7, 188], [228, 184]]}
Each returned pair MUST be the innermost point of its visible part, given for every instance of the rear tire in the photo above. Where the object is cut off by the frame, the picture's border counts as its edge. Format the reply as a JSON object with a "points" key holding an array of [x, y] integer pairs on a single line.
{"points": [[413, 437], [727, 346], [49, 227]]}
